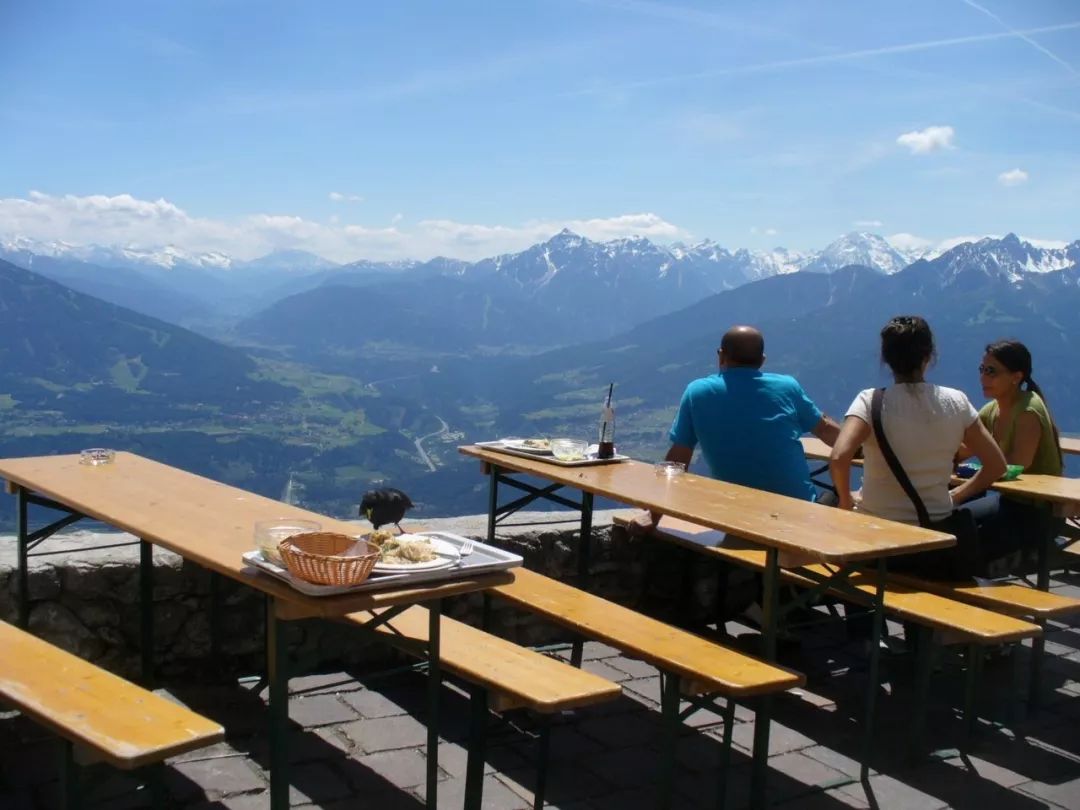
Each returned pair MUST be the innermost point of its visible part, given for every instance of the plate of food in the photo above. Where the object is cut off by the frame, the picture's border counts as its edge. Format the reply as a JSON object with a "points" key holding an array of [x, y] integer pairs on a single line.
{"points": [[401, 553], [542, 447]]}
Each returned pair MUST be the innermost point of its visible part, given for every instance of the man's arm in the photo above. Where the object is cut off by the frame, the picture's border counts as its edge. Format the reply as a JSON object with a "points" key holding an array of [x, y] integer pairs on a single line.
{"points": [[827, 430], [852, 436], [646, 521]]}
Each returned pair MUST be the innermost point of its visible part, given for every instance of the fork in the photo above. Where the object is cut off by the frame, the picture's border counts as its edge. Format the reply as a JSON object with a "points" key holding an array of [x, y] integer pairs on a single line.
{"points": [[466, 549]]}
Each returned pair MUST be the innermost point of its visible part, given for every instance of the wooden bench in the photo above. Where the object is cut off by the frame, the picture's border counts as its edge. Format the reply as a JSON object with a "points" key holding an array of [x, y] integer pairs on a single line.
{"points": [[957, 622], [690, 666], [502, 676], [104, 715]]}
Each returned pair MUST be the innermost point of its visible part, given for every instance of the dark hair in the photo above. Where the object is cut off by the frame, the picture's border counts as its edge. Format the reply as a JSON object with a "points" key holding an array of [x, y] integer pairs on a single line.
{"points": [[743, 346], [1015, 356], [906, 343]]}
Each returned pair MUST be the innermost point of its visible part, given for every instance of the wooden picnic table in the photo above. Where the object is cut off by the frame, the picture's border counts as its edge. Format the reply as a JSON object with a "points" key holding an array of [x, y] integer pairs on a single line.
{"points": [[793, 532], [212, 524]]}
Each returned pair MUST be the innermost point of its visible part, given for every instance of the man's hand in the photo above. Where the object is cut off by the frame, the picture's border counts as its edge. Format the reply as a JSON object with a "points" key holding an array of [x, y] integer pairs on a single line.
{"points": [[642, 524]]}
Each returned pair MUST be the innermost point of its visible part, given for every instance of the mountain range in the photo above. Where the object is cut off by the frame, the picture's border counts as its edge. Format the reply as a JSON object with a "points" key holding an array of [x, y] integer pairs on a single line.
{"points": [[373, 372]]}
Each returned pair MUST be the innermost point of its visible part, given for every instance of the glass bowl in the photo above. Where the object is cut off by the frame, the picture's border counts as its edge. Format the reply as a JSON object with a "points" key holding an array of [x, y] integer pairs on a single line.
{"points": [[93, 456], [269, 533], [669, 469], [569, 449]]}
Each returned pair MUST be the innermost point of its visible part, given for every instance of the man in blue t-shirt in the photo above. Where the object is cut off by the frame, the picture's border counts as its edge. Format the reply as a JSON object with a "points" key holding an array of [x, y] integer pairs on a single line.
{"points": [[748, 423]]}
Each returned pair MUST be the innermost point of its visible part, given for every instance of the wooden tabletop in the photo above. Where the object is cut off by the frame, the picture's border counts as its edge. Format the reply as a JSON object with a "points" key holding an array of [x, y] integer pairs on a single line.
{"points": [[805, 530], [206, 522], [1052, 488], [817, 449]]}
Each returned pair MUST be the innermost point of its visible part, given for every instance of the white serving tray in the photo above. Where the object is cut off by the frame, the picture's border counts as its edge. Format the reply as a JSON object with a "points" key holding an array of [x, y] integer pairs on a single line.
{"points": [[589, 461], [484, 559]]}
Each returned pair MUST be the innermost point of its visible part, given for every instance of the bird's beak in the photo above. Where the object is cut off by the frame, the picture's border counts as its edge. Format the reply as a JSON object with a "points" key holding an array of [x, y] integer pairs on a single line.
{"points": [[367, 514]]}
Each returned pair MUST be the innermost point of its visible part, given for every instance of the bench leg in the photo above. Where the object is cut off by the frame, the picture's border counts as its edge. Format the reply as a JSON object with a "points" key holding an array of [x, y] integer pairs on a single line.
{"points": [[873, 675], [70, 795], [474, 768], [924, 656], [434, 687], [155, 784], [971, 691], [725, 755], [277, 661], [763, 715], [1038, 646], [669, 707], [146, 611], [543, 746]]}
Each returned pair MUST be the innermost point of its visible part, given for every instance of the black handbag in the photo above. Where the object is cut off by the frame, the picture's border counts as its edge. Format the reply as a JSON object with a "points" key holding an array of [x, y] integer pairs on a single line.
{"points": [[962, 561]]}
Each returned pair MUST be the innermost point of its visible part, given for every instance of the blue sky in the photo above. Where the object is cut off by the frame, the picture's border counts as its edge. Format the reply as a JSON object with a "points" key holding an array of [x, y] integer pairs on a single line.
{"points": [[393, 129]]}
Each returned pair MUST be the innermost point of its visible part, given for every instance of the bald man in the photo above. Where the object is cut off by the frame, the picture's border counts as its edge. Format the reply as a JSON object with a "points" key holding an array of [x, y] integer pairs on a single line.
{"points": [[748, 423]]}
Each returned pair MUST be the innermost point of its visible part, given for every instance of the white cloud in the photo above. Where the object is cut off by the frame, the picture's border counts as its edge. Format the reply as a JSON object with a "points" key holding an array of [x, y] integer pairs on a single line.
{"points": [[868, 223], [756, 231], [1013, 177], [931, 139], [337, 196], [396, 218], [910, 243], [142, 224]]}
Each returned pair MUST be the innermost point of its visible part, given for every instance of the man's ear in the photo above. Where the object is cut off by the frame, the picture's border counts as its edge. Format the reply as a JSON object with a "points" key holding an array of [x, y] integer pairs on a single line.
{"points": [[764, 357]]}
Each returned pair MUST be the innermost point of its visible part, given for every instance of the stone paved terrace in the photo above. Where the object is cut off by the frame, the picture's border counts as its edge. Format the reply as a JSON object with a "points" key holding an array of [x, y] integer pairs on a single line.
{"points": [[358, 742]]}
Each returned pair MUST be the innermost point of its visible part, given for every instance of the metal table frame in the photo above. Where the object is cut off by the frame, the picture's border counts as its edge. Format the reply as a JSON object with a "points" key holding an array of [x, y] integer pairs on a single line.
{"points": [[772, 615], [279, 613]]}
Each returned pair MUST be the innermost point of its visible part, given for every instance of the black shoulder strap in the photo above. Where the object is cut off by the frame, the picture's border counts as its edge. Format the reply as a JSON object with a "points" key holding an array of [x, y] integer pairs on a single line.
{"points": [[892, 460]]}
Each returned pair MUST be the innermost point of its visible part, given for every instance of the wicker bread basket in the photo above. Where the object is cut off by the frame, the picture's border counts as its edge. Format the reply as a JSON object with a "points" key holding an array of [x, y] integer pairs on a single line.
{"points": [[319, 557]]}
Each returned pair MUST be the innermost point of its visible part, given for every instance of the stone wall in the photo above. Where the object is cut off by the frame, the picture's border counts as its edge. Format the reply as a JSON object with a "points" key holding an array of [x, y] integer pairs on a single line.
{"points": [[85, 598]]}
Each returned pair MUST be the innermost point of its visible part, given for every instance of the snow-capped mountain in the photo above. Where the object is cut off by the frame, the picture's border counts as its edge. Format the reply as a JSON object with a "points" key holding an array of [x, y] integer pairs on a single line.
{"points": [[1009, 258], [865, 249]]}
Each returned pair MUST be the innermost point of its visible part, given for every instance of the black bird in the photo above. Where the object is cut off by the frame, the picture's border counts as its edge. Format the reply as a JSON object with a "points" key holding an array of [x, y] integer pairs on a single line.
{"points": [[382, 506]]}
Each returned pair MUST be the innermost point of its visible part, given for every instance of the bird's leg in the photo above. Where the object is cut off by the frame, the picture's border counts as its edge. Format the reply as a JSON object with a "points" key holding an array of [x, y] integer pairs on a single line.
{"points": [[400, 530]]}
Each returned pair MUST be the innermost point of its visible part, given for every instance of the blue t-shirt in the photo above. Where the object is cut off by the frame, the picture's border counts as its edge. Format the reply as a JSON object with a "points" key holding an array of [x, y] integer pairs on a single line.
{"points": [[748, 423]]}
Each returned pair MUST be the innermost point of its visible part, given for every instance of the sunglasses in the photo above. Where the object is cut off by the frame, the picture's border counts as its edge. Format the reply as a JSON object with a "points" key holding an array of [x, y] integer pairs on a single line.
{"points": [[988, 371]]}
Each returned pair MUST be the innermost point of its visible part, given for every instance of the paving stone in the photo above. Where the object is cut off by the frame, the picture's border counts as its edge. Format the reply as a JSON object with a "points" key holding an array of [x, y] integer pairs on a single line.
{"points": [[320, 710], [564, 783], [402, 769], [648, 689], [372, 704], [497, 796], [1065, 794], [834, 759], [386, 733], [622, 730], [781, 738], [633, 667], [219, 777], [246, 801], [894, 794], [315, 782], [628, 767], [594, 649], [797, 775], [599, 666], [324, 684]]}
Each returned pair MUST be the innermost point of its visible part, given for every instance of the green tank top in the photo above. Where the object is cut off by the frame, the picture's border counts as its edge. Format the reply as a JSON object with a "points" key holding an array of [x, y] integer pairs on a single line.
{"points": [[1047, 459]]}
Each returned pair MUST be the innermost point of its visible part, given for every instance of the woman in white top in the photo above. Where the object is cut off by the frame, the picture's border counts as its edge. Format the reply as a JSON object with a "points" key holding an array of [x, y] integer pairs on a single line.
{"points": [[925, 425]]}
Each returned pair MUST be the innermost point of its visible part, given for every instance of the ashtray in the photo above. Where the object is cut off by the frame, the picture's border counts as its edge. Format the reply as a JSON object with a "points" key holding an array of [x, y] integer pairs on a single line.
{"points": [[669, 469], [94, 456]]}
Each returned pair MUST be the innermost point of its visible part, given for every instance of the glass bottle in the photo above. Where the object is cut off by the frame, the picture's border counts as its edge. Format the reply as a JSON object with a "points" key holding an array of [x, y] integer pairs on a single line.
{"points": [[606, 447]]}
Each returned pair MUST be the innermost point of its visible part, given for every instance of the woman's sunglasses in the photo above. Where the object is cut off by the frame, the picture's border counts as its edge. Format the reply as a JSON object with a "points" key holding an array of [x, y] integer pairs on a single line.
{"points": [[988, 371]]}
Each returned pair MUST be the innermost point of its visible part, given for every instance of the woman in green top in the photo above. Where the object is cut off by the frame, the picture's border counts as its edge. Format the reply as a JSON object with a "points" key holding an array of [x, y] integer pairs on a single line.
{"points": [[1017, 414], [1019, 420]]}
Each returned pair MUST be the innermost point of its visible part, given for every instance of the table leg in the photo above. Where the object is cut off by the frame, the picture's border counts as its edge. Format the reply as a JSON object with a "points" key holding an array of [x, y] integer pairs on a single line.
{"points": [[146, 611], [577, 648], [669, 707], [543, 755], [434, 688], [71, 795], [278, 676], [872, 677], [493, 503], [23, 559], [474, 767], [763, 715]]}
